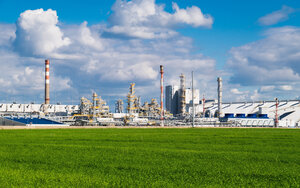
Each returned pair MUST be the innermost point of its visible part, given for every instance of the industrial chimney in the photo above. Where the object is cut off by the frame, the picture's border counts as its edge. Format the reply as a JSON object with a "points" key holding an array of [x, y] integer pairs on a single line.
{"points": [[162, 95], [47, 82], [182, 95], [219, 97]]}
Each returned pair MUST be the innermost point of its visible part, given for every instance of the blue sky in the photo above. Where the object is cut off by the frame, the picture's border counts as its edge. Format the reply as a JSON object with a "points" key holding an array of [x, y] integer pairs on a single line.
{"points": [[102, 46]]}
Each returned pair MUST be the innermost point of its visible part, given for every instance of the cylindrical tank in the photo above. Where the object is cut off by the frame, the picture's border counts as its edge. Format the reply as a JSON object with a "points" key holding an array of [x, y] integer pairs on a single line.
{"points": [[47, 82], [220, 113], [182, 105], [162, 94]]}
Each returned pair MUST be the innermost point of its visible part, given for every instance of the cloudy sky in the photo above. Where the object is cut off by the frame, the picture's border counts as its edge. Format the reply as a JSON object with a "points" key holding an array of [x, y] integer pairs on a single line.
{"points": [[103, 46]]}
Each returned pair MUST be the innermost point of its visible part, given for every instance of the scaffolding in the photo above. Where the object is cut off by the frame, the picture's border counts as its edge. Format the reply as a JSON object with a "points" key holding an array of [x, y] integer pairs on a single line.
{"points": [[90, 111], [131, 98], [182, 106], [150, 109], [119, 106]]}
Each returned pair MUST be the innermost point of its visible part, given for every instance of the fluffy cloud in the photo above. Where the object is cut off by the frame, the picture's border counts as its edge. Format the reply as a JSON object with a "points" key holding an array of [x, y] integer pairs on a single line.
{"points": [[286, 87], [277, 16], [22, 78], [271, 63], [139, 61], [191, 16], [236, 91], [145, 19], [18, 78], [37, 33], [83, 60], [7, 34], [273, 60], [267, 88], [87, 38]]}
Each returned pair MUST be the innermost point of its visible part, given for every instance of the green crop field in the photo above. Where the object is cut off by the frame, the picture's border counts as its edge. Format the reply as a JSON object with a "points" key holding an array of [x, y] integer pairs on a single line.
{"points": [[150, 158]]}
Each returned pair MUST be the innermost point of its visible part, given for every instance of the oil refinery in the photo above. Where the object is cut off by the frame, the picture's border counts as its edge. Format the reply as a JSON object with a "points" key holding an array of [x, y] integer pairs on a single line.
{"points": [[178, 106]]}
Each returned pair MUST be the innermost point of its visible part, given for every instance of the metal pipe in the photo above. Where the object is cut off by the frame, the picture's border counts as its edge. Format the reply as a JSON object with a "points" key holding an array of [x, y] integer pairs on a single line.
{"points": [[203, 102], [47, 82], [193, 112], [162, 95], [219, 97], [276, 113], [182, 95], [94, 106]]}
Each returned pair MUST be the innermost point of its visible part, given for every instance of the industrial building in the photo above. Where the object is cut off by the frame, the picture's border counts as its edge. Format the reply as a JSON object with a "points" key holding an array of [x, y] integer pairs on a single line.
{"points": [[179, 100], [255, 113], [37, 109], [173, 99], [288, 112], [183, 107]]}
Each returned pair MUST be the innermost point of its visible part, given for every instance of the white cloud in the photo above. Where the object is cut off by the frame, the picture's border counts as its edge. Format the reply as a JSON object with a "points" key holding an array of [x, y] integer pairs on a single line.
{"points": [[87, 38], [7, 34], [255, 95], [147, 20], [271, 88], [124, 65], [191, 16], [236, 91], [37, 33], [286, 87], [277, 16], [20, 79], [270, 64], [142, 32], [273, 60], [92, 62], [138, 71], [23, 76], [266, 88]]}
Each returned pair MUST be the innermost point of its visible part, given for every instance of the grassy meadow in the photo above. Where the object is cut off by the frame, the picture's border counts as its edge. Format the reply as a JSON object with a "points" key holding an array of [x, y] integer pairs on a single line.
{"points": [[213, 157]]}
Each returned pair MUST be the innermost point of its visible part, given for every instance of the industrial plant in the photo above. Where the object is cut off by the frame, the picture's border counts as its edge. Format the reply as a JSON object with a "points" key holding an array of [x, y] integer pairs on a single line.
{"points": [[178, 106]]}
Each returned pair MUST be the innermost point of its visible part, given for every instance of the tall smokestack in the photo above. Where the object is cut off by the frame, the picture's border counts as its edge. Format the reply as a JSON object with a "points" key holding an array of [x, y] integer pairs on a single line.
{"points": [[182, 94], [219, 97], [276, 112], [162, 94], [47, 82], [94, 106]]}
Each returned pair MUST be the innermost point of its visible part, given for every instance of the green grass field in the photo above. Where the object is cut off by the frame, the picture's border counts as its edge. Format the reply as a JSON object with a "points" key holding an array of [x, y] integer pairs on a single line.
{"points": [[150, 157]]}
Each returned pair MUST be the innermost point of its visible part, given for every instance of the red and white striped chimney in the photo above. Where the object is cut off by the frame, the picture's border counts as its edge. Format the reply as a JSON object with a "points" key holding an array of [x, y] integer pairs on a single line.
{"points": [[162, 94], [47, 82]]}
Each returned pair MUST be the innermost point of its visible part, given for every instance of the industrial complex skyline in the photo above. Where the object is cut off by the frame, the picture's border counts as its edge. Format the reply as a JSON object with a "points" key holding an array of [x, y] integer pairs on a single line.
{"points": [[103, 46]]}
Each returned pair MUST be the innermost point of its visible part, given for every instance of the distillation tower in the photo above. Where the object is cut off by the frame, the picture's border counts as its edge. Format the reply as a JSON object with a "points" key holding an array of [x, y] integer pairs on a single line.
{"points": [[182, 103], [220, 113]]}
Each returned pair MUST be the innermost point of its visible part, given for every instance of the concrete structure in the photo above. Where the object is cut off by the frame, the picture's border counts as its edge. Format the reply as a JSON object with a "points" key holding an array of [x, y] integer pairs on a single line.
{"points": [[30, 121], [173, 100], [189, 96], [131, 99], [193, 101], [92, 110], [13, 108], [288, 111], [94, 106], [182, 95], [119, 106], [47, 82], [162, 95], [220, 113]]}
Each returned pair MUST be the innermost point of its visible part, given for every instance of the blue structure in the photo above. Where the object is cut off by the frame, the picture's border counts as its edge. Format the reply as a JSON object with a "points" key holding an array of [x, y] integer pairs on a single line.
{"points": [[263, 116], [229, 116], [240, 115], [33, 121], [251, 116]]}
